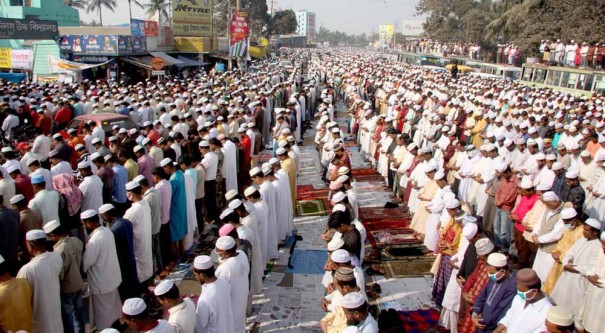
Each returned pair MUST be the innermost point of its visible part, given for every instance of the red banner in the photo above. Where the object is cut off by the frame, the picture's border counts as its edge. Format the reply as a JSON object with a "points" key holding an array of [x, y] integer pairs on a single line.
{"points": [[239, 27], [151, 28]]}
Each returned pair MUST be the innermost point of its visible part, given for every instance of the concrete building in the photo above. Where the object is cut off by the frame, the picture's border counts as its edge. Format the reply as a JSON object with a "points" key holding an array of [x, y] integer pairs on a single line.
{"points": [[306, 24]]}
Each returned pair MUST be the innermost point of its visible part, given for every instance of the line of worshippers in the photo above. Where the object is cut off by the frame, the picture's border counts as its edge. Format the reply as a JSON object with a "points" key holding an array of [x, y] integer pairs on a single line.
{"points": [[132, 206], [525, 165]]}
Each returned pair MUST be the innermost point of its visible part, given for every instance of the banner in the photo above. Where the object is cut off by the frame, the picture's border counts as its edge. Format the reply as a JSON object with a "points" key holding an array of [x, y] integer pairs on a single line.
{"points": [[22, 59], [102, 44], [192, 18], [193, 44], [5, 57], [137, 28], [150, 28], [57, 65], [28, 29], [388, 30], [239, 34], [165, 36], [412, 27]]}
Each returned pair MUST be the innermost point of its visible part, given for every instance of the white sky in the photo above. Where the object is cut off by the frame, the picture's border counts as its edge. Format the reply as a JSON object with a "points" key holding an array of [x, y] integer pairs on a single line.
{"points": [[350, 16]]}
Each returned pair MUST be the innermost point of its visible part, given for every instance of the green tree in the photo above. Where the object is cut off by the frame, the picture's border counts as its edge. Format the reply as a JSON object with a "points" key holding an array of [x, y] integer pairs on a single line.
{"points": [[77, 4], [159, 7], [137, 3], [283, 22], [97, 5]]}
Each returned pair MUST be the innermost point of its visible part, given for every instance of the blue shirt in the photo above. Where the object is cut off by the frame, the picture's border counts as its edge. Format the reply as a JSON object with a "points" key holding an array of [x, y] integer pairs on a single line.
{"points": [[119, 183], [124, 111], [178, 207], [494, 301], [122, 232]]}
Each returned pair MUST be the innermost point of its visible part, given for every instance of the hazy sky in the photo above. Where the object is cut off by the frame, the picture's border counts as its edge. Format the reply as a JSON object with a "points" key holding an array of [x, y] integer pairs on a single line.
{"points": [[350, 16]]}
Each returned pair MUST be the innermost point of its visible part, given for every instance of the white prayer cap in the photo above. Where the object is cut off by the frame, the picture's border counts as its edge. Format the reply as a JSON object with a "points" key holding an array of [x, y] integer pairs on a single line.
{"points": [[585, 153], [568, 213], [105, 208], [286, 131], [13, 167], [484, 246], [225, 213], [508, 142], [87, 214], [56, 136], [96, 140], [35, 234], [163, 287], [469, 219], [134, 306], [16, 198], [571, 174], [165, 162], [138, 179], [83, 165], [340, 256], [335, 244], [497, 260], [132, 131], [550, 196], [235, 204], [342, 178], [79, 147], [594, 223], [520, 141], [343, 170], [202, 262], [526, 183], [543, 187], [560, 316], [490, 147], [9, 149], [557, 166], [452, 204], [439, 175], [267, 168], [1, 259], [255, 171], [273, 161], [338, 197], [137, 148], [500, 167], [132, 185], [551, 157], [50, 226], [532, 130], [573, 146], [204, 144], [230, 194], [249, 191], [241, 130], [411, 146], [470, 230], [540, 156], [430, 167], [225, 243], [353, 300]]}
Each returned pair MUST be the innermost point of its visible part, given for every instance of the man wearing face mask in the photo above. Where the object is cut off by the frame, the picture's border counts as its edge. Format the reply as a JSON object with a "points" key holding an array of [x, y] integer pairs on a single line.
{"points": [[527, 313], [496, 297]]}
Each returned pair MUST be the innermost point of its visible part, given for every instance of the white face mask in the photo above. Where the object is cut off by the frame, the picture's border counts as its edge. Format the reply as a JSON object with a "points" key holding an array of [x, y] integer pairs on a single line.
{"points": [[129, 196]]}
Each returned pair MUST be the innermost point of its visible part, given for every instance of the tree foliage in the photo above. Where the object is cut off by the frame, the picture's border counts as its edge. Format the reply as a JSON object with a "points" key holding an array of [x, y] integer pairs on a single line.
{"points": [[522, 22], [98, 5], [336, 38], [257, 16], [283, 22]]}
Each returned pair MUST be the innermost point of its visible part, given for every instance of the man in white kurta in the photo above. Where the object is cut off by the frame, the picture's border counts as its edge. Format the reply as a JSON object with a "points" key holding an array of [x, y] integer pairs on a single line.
{"points": [[214, 309], [248, 230], [580, 261], [190, 192], [42, 273], [229, 163], [591, 315], [269, 196], [284, 181], [283, 197], [45, 202], [91, 188], [139, 214], [262, 214], [234, 268], [100, 263]]}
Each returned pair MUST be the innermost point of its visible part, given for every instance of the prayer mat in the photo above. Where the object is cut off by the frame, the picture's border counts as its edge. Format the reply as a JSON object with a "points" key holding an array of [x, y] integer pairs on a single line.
{"points": [[419, 321], [378, 213], [387, 223], [265, 158], [310, 207], [393, 237], [308, 262], [407, 268], [369, 178], [314, 194], [364, 172]]}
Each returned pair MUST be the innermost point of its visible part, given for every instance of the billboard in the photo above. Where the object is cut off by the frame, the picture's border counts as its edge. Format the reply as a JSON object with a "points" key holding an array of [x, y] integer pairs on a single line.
{"points": [[102, 44], [150, 28], [28, 29], [192, 18], [387, 30], [5, 57], [239, 34], [22, 59], [412, 27], [193, 44], [137, 28]]}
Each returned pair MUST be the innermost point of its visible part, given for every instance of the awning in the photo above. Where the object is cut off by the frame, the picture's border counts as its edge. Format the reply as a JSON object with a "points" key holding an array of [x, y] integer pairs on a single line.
{"points": [[138, 61], [189, 62], [224, 56], [169, 60]]}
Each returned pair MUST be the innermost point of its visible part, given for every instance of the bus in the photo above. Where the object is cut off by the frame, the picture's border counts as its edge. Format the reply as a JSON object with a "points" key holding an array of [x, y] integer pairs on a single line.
{"points": [[495, 70], [424, 59], [575, 81]]}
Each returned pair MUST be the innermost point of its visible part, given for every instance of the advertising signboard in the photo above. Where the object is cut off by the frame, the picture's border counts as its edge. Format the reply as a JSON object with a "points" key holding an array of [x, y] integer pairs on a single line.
{"points": [[28, 29], [192, 18], [102, 44]]}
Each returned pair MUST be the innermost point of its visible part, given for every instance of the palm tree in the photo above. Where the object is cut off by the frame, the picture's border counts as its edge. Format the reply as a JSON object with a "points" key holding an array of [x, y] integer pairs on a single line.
{"points": [[157, 6], [77, 4], [136, 2], [97, 5]]}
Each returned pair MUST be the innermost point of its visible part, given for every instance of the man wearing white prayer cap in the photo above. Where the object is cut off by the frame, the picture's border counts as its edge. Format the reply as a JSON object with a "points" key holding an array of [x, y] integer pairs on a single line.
{"points": [[138, 318], [559, 320], [592, 318], [100, 263], [269, 196], [547, 232], [139, 214], [290, 167], [571, 288], [234, 268], [356, 310], [181, 312], [342, 258], [42, 273], [572, 191], [214, 312], [91, 187]]}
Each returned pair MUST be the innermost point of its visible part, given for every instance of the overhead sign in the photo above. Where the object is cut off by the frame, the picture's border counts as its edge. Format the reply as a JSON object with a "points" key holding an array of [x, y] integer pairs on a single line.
{"points": [[157, 73], [158, 63], [22, 59], [57, 65], [102, 44], [137, 27], [239, 34], [192, 44], [412, 27], [388, 30], [28, 29], [192, 18], [5, 57]]}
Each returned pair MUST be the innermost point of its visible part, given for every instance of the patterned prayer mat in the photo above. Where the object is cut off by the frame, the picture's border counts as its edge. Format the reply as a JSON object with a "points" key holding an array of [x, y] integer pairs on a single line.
{"points": [[364, 172], [310, 207], [419, 321], [313, 194], [407, 268], [378, 213], [369, 178], [393, 237]]}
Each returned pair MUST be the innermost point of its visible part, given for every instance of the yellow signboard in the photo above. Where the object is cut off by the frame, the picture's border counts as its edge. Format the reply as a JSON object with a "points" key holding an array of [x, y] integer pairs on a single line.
{"points": [[192, 18], [5, 57], [193, 44], [387, 30]]}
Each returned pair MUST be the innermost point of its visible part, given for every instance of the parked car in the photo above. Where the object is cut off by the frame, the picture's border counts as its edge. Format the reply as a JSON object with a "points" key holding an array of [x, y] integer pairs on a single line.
{"points": [[104, 119]]}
